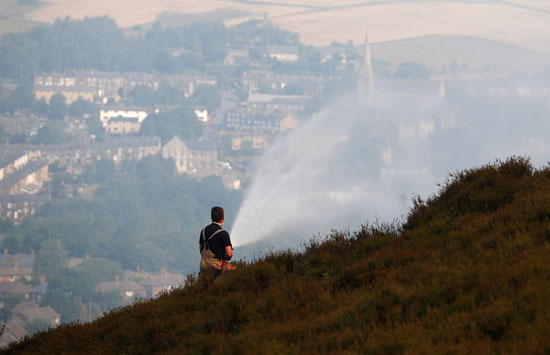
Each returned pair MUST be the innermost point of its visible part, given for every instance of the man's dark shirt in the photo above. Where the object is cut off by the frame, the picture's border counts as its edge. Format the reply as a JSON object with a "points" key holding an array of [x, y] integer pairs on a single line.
{"points": [[218, 243]]}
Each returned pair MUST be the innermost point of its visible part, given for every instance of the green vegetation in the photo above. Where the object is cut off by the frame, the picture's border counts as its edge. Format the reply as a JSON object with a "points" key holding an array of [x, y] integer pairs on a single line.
{"points": [[98, 43], [3, 135], [9, 303], [51, 259], [51, 133], [412, 70], [467, 272], [208, 96], [22, 96], [181, 121], [37, 324], [143, 95], [81, 107], [57, 108]]}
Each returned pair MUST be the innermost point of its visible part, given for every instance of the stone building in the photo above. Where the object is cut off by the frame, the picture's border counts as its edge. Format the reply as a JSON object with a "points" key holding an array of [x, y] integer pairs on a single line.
{"points": [[283, 53], [17, 207], [192, 156], [123, 125]]}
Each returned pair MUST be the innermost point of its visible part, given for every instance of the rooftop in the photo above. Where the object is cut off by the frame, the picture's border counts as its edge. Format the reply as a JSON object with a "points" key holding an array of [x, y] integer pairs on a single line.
{"points": [[59, 88], [9, 157], [123, 119], [24, 305], [275, 49], [15, 270], [266, 98], [110, 143], [19, 259], [14, 288], [127, 108], [24, 198], [20, 174], [13, 332], [39, 312], [200, 145]]}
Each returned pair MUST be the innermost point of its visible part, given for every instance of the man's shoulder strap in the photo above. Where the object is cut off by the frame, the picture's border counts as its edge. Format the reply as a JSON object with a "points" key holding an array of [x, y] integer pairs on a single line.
{"points": [[216, 232], [205, 241]]}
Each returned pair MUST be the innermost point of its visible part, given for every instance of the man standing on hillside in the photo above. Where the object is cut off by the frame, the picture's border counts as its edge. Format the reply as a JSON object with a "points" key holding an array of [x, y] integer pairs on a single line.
{"points": [[215, 244]]}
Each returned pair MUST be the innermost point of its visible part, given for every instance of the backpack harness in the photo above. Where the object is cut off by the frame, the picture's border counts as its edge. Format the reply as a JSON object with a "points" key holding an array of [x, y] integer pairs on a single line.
{"points": [[205, 241]]}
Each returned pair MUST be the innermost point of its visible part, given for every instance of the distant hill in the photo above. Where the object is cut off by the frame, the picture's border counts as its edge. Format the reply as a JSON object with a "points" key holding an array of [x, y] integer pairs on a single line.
{"points": [[319, 22], [467, 272], [470, 54]]}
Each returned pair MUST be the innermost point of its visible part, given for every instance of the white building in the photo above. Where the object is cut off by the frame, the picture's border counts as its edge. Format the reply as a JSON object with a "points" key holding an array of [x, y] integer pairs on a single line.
{"points": [[283, 53], [136, 113], [202, 114]]}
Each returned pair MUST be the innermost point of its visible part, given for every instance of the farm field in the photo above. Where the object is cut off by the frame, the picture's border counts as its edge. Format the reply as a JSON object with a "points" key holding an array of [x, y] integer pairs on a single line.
{"points": [[522, 23], [13, 17], [472, 55]]}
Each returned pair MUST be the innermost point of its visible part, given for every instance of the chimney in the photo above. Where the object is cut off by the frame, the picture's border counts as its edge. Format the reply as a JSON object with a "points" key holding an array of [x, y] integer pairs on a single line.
{"points": [[5, 251], [32, 252], [87, 256]]}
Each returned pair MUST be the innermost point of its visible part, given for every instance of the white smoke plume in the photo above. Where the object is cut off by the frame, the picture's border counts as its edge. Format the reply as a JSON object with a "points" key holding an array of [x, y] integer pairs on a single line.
{"points": [[353, 163]]}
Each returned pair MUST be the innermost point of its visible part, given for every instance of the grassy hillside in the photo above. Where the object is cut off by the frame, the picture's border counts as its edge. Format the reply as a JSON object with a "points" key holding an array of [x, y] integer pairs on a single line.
{"points": [[468, 271], [469, 54]]}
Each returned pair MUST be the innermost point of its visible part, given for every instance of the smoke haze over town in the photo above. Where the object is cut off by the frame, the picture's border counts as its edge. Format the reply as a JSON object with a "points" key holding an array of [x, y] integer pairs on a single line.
{"points": [[355, 163]]}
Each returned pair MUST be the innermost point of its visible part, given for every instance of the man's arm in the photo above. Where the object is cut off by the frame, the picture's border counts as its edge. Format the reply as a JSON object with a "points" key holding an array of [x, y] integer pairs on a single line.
{"points": [[229, 251]]}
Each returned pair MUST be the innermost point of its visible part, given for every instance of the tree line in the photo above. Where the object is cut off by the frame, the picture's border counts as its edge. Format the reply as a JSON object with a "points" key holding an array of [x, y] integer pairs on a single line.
{"points": [[98, 43]]}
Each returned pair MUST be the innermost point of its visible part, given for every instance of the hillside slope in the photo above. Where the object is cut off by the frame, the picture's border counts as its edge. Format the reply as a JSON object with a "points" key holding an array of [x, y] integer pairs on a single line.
{"points": [[468, 271], [477, 55]]}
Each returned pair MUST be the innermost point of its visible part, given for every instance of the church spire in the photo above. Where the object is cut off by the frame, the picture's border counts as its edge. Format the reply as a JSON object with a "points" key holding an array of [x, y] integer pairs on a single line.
{"points": [[366, 76], [442, 90]]}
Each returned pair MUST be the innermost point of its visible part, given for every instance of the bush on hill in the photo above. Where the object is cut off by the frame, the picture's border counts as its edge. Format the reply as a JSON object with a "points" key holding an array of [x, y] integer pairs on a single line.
{"points": [[467, 272]]}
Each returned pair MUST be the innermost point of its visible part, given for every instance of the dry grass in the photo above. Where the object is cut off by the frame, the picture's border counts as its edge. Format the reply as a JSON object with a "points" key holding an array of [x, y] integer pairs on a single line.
{"points": [[12, 17], [522, 23], [473, 56]]}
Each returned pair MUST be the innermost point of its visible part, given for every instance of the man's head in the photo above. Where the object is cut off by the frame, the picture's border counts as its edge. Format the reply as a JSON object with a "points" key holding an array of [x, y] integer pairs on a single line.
{"points": [[217, 214]]}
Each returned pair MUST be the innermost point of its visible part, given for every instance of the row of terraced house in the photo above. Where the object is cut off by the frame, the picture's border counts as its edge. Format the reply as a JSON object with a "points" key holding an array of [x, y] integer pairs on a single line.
{"points": [[24, 168], [92, 85]]}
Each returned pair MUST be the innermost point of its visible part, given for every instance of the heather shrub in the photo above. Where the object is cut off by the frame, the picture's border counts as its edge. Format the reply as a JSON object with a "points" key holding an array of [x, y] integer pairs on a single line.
{"points": [[466, 272]]}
